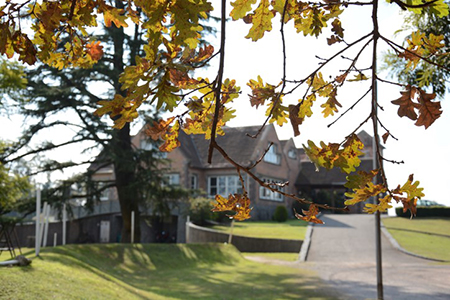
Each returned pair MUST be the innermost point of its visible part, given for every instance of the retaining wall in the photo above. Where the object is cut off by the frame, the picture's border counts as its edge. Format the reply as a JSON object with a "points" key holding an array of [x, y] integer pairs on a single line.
{"points": [[198, 234]]}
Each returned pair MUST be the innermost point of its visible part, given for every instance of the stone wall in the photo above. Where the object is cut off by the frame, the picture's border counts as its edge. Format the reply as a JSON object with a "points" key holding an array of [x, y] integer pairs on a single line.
{"points": [[198, 234]]}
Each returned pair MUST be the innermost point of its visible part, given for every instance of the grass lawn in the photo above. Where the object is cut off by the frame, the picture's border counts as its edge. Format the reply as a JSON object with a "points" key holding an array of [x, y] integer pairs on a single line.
{"points": [[153, 271], [290, 230], [416, 235]]}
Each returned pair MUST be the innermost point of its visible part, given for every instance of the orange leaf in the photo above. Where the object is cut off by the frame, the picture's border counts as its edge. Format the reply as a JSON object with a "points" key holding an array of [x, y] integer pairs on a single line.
{"points": [[240, 204], [158, 128], [95, 50], [309, 215]]}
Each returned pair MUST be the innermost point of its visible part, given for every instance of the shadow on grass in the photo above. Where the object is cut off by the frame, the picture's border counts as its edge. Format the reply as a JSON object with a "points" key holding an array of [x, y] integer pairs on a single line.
{"points": [[211, 271]]}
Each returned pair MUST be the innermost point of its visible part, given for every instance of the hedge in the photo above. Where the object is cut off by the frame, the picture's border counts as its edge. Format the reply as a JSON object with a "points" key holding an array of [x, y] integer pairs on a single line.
{"points": [[425, 212]]}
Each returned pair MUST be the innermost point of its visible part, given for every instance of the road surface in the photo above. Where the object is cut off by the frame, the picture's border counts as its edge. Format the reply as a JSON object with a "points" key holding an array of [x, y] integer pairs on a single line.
{"points": [[343, 253]]}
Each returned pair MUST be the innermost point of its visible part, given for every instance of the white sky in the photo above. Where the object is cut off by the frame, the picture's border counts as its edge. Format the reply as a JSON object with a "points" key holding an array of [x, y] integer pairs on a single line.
{"points": [[425, 152]]}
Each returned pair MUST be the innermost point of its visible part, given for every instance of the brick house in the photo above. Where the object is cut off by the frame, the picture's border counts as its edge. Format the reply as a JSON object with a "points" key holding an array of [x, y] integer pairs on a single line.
{"points": [[188, 168]]}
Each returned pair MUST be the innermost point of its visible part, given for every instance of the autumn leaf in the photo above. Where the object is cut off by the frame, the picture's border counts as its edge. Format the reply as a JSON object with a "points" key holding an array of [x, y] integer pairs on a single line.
{"points": [[330, 107], [385, 137], [182, 80], [359, 77], [360, 179], [171, 138], [363, 194], [407, 106], [241, 8], [237, 203], [294, 118], [95, 50], [114, 15], [261, 21], [382, 206], [415, 99], [428, 111], [157, 129], [309, 215]]}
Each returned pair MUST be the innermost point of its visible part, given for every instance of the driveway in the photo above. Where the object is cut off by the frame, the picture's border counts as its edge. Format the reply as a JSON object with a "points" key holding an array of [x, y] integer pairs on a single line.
{"points": [[343, 253]]}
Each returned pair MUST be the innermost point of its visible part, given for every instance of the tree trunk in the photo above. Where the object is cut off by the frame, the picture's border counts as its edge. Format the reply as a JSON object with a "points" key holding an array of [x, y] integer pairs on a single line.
{"points": [[124, 164]]}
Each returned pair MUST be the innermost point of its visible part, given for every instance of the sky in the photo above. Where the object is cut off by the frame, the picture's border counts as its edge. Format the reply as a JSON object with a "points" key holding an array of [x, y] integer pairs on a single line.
{"points": [[425, 152]]}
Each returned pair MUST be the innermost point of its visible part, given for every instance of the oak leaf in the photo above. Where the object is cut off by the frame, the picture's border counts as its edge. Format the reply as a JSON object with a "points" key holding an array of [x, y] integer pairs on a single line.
{"points": [[294, 118], [95, 50], [261, 21], [428, 111], [237, 203], [157, 129], [310, 215], [407, 106]]}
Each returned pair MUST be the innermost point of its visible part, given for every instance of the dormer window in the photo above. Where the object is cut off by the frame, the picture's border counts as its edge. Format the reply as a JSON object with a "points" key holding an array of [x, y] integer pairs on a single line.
{"points": [[292, 153], [272, 156]]}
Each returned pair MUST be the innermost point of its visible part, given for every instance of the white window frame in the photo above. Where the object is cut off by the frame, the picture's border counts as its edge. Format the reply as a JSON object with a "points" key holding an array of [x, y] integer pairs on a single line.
{"points": [[194, 182], [266, 194], [232, 185], [172, 179], [272, 156]]}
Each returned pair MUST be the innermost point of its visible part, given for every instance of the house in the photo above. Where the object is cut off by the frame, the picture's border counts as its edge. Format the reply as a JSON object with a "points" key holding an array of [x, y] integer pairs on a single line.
{"points": [[188, 168]]}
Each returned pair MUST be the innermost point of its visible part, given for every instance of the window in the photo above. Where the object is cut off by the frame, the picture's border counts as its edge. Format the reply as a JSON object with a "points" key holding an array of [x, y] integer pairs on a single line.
{"points": [[146, 144], [194, 182], [272, 156], [265, 193], [104, 194], [292, 153], [224, 185], [172, 179]]}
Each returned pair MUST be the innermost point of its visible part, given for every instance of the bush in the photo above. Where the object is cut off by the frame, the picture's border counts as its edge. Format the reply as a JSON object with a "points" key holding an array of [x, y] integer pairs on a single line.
{"points": [[280, 214], [425, 212], [201, 214]]}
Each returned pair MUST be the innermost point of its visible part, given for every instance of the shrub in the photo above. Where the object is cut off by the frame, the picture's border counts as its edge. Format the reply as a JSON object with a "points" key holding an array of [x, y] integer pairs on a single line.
{"points": [[280, 214], [425, 212], [201, 214]]}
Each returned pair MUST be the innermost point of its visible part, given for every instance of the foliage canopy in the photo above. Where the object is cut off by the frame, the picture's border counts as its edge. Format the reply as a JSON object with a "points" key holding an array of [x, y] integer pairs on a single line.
{"points": [[162, 75]]}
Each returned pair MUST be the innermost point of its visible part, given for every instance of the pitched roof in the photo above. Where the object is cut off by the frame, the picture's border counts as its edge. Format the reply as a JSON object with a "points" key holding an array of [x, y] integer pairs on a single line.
{"points": [[308, 175], [238, 145]]}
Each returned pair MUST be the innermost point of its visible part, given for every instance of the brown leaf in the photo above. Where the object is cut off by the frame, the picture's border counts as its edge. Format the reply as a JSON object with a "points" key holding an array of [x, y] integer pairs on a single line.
{"points": [[295, 119], [385, 137], [406, 104], [158, 128], [337, 28], [428, 111], [341, 78], [333, 39]]}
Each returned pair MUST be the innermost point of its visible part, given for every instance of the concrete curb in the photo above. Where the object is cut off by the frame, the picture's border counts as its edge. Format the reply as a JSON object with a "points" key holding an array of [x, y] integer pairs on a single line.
{"points": [[396, 245], [303, 255]]}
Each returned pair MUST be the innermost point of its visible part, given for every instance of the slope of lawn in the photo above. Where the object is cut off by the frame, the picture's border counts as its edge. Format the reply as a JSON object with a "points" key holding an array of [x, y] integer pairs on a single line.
{"points": [[429, 237], [290, 230], [153, 271]]}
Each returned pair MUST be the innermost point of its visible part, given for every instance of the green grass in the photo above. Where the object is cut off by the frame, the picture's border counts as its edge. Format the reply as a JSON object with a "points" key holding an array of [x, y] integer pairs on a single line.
{"points": [[153, 271], [290, 230], [421, 235]]}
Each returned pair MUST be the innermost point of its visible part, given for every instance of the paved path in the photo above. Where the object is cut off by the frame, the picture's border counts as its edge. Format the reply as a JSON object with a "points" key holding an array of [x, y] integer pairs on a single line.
{"points": [[343, 253]]}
